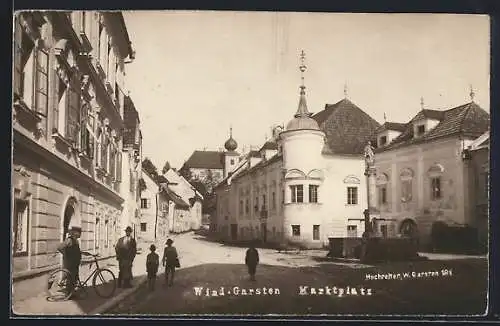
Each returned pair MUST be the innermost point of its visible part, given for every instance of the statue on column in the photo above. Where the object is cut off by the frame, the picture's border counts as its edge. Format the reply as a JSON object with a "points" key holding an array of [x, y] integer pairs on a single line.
{"points": [[369, 155]]}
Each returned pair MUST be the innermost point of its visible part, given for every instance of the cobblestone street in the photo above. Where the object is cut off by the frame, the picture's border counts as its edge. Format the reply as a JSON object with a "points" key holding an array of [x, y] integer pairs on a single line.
{"points": [[214, 266]]}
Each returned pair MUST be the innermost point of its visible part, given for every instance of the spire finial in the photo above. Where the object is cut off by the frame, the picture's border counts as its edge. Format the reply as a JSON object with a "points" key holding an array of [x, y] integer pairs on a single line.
{"points": [[422, 102], [230, 131], [302, 66], [472, 94], [302, 110], [345, 90]]}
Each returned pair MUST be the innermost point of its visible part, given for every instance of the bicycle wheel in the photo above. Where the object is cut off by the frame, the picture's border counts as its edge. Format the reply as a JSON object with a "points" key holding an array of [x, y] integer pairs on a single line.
{"points": [[104, 283], [57, 285]]}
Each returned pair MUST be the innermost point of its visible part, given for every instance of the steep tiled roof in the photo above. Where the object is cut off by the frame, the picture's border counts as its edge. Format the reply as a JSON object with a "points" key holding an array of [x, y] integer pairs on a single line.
{"points": [[393, 126], [466, 120], [205, 160], [347, 127], [272, 145], [174, 197], [429, 114], [259, 165]]}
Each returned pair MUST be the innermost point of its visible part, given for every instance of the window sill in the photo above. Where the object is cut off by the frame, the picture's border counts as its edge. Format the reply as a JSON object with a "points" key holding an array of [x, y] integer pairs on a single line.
{"points": [[61, 139], [20, 254], [351, 205]]}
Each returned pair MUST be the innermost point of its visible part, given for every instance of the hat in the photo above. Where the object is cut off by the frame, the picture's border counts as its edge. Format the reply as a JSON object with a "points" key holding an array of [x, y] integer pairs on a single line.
{"points": [[152, 247], [75, 228], [170, 241], [128, 229]]}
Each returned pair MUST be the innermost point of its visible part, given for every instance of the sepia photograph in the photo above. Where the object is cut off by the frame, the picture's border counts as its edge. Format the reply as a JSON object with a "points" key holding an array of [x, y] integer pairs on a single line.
{"points": [[234, 163]]}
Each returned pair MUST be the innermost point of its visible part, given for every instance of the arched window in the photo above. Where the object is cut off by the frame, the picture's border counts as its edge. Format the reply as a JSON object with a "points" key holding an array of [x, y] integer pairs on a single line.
{"points": [[382, 180], [406, 178], [435, 173]]}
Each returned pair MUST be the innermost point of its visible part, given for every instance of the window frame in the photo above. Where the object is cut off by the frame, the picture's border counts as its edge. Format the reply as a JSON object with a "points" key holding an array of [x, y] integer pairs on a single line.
{"points": [[297, 193], [316, 232], [313, 193], [352, 195], [436, 189], [25, 229], [295, 230], [143, 227]]}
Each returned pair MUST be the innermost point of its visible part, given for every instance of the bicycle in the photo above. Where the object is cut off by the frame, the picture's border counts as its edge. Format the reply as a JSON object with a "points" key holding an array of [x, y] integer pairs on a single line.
{"points": [[103, 282]]}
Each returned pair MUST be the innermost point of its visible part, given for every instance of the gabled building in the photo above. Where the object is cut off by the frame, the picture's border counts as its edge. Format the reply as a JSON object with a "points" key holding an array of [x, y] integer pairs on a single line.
{"points": [[154, 210], [425, 174]]}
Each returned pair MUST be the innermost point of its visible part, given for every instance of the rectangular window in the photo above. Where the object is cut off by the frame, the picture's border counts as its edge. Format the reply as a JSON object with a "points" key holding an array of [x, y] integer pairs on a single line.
{"points": [[73, 112], [41, 82], [436, 188], [383, 140], [97, 233], [282, 197], [313, 193], [406, 190], [352, 195], [315, 232], [264, 202], [18, 51], [297, 192], [382, 195], [144, 203], [21, 227], [241, 206], [420, 130], [274, 200], [247, 206], [296, 230], [256, 204], [352, 231], [27, 68], [143, 227], [106, 234]]}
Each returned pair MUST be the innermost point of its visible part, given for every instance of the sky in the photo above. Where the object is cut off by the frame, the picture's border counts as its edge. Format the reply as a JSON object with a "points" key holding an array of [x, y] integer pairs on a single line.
{"points": [[197, 73]]}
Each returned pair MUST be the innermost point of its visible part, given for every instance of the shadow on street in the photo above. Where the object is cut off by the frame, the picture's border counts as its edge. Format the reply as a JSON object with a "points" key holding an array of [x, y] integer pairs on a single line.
{"points": [[463, 292]]}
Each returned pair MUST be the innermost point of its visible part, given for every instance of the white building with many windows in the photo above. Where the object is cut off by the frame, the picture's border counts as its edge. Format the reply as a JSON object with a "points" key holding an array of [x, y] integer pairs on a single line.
{"points": [[303, 186]]}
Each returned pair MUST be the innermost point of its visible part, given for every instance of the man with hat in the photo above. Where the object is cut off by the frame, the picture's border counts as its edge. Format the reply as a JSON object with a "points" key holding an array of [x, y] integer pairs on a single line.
{"points": [[170, 261], [72, 256], [126, 249]]}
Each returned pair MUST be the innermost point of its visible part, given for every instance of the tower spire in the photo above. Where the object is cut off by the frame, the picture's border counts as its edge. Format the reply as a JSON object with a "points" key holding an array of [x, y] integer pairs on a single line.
{"points": [[345, 90], [302, 110], [472, 94], [422, 102]]}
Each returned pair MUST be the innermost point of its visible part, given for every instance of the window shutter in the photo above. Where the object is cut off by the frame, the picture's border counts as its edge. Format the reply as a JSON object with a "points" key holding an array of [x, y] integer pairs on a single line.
{"points": [[73, 116], [18, 36], [42, 81]]}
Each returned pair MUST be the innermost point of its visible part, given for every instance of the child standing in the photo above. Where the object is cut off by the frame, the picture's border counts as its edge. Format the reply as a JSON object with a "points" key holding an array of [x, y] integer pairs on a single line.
{"points": [[152, 263]]}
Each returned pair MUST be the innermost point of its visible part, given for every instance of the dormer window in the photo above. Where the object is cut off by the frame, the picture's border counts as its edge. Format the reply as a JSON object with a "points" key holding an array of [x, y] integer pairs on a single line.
{"points": [[420, 130]]}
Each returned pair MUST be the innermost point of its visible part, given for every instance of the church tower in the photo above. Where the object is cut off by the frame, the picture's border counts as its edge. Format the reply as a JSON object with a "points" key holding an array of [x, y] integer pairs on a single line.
{"points": [[230, 155], [302, 143]]}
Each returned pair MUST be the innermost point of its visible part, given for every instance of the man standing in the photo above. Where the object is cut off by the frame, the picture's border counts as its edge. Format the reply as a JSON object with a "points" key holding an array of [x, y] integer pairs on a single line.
{"points": [[170, 261], [126, 249], [72, 257], [252, 260]]}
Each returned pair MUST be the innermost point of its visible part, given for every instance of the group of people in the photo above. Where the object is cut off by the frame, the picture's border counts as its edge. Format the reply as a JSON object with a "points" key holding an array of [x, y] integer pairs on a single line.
{"points": [[126, 250]]}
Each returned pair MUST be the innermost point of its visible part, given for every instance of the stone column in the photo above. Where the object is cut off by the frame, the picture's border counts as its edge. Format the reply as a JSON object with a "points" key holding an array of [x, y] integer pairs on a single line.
{"points": [[371, 187]]}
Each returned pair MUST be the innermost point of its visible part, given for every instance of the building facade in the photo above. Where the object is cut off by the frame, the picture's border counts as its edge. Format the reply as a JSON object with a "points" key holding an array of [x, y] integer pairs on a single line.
{"points": [[185, 210], [427, 175], [68, 94], [154, 211], [303, 186]]}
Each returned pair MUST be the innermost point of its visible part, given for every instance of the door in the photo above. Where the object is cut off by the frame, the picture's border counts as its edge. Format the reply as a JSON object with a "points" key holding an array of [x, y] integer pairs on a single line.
{"points": [[234, 231], [263, 230]]}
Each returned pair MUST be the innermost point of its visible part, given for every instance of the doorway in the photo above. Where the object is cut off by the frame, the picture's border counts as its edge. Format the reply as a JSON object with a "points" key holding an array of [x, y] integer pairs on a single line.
{"points": [[234, 231], [263, 230]]}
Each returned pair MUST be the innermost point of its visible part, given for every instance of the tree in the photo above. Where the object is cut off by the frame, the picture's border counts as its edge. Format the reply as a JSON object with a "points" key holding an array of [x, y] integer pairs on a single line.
{"points": [[185, 172], [150, 168], [166, 167]]}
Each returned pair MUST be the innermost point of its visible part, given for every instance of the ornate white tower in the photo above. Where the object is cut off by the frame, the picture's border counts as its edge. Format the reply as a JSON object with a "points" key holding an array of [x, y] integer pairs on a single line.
{"points": [[302, 143]]}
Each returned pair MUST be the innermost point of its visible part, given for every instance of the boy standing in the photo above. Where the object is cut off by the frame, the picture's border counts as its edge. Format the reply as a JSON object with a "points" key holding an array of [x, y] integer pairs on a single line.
{"points": [[252, 260], [152, 263]]}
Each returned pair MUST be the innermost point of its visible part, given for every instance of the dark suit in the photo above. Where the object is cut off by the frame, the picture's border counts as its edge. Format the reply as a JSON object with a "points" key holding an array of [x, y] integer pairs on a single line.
{"points": [[72, 257], [125, 249], [252, 260]]}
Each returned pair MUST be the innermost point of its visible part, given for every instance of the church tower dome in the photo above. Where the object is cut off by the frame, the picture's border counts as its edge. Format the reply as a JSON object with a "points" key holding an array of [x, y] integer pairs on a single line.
{"points": [[230, 145]]}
